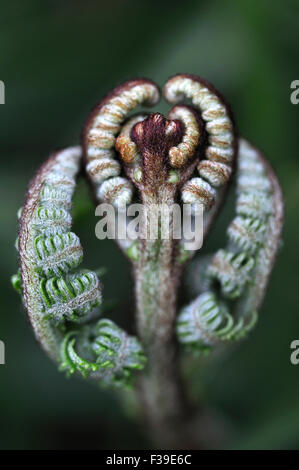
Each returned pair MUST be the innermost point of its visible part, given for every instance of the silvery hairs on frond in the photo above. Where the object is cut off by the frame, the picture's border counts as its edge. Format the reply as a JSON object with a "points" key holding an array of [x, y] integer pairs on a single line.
{"points": [[186, 160], [236, 277], [60, 299]]}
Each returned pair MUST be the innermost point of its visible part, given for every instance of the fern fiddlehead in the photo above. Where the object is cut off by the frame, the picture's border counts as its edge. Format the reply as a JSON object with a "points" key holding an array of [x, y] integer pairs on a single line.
{"points": [[188, 159], [59, 298], [238, 269], [117, 354]]}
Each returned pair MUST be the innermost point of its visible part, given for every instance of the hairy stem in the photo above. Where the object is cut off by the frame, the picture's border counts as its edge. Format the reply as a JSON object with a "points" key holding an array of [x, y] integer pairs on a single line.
{"points": [[157, 278]]}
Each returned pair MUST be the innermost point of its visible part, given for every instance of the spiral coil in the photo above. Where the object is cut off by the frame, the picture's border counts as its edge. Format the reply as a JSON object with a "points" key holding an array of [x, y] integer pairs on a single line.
{"points": [[207, 322], [215, 170], [100, 138], [231, 271], [114, 355], [191, 154], [70, 297], [57, 296]]}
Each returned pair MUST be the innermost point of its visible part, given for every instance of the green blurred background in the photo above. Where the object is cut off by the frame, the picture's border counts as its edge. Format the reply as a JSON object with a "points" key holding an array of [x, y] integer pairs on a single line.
{"points": [[58, 58]]}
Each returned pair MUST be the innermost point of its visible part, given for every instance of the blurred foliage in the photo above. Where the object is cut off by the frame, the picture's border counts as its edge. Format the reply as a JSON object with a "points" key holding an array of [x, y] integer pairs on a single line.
{"points": [[58, 58]]}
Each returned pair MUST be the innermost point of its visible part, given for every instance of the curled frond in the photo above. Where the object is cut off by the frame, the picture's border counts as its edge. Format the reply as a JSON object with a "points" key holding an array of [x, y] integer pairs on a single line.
{"points": [[125, 351], [185, 150], [70, 297], [104, 125], [198, 191], [219, 123], [215, 172], [71, 361], [215, 168], [241, 271], [207, 322], [192, 154], [102, 169], [45, 216], [117, 191], [111, 354], [124, 145], [105, 122], [57, 296]]}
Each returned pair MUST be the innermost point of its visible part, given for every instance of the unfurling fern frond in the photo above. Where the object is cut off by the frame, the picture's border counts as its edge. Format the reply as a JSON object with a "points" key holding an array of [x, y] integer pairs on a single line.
{"points": [[111, 354], [71, 361], [100, 139], [71, 297], [198, 324], [55, 295], [125, 351], [207, 322], [239, 273], [163, 163], [219, 155]]}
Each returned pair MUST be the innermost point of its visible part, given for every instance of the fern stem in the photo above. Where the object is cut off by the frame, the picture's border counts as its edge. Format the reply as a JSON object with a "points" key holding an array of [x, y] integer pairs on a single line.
{"points": [[157, 277]]}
